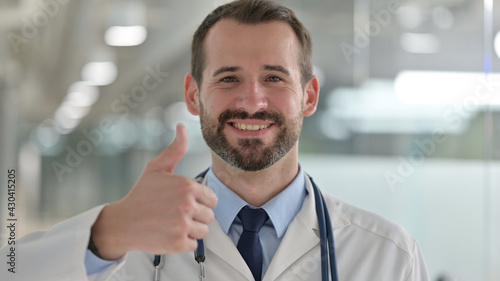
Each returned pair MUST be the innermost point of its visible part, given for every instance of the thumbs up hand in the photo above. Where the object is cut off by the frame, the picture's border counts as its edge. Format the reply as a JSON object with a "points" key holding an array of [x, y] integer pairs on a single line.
{"points": [[163, 213]]}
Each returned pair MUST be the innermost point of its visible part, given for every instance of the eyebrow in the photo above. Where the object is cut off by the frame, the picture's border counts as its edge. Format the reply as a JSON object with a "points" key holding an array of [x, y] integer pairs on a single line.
{"points": [[278, 68], [226, 69]]}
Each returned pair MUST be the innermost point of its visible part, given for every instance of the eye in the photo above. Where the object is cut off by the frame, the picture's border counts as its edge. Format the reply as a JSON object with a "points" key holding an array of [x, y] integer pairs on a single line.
{"points": [[228, 79], [274, 79]]}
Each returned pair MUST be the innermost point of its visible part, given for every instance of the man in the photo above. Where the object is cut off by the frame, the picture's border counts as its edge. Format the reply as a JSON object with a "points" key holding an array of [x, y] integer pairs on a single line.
{"points": [[252, 85]]}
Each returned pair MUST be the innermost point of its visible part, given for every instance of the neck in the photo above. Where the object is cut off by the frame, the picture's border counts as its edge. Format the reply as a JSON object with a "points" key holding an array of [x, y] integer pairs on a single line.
{"points": [[258, 187]]}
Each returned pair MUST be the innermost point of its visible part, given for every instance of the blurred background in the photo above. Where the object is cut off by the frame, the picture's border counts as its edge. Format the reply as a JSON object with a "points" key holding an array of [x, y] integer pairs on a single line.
{"points": [[408, 123]]}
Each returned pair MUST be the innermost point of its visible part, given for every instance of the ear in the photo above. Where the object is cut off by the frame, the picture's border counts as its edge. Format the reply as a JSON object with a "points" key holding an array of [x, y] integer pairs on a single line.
{"points": [[311, 96], [190, 94]]}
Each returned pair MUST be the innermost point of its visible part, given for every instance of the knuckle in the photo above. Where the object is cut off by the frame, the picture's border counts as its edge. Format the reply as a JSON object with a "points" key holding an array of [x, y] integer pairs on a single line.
{"points": [[208, 192], [187, 207], [184, 189], [210, 215], [186, 184], [206, 215], [177, 246], [191, 244], [183, 226], [210, 195], [182, 244], [204, 231]]}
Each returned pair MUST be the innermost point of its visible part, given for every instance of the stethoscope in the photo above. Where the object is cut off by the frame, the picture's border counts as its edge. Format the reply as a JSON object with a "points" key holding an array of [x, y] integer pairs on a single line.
{"points": [[328, 260]]}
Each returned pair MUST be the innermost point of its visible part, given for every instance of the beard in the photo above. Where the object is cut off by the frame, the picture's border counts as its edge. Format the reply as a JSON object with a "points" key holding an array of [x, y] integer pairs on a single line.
{"points": [[250, 154]]}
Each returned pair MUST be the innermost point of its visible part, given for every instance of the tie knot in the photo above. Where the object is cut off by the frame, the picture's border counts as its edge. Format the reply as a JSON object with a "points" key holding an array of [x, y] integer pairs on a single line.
{"points": [[252, 219]]}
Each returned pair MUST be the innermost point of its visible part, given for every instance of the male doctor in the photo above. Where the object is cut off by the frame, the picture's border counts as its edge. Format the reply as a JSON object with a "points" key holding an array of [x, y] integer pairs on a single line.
{"points": [[251, 84]]}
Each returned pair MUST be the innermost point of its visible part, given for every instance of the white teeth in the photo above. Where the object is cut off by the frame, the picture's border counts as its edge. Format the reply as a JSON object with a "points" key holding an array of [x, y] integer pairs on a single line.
{"points": [[248, 127]]}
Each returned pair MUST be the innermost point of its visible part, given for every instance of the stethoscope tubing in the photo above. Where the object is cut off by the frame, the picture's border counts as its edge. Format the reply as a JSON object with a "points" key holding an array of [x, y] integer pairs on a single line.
{"points": [[322, 234], [329, 234]]}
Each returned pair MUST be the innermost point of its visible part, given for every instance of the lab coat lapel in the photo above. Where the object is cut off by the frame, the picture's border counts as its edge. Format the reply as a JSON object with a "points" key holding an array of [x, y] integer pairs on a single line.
{"points": [[302, 235], [299, 238], [221, 245]]}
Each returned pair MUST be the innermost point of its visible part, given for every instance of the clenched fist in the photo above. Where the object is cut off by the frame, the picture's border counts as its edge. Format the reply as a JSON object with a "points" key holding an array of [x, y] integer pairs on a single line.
{"points": [[163, 213]]}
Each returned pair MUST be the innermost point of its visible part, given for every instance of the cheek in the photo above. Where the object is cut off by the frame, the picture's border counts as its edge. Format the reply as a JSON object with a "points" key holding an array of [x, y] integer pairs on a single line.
{"points": [[287, 104], [214, 105]]}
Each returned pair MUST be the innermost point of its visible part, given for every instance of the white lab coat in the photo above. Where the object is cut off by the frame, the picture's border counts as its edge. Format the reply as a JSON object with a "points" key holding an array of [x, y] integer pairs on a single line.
{"points": [[368, 248]]}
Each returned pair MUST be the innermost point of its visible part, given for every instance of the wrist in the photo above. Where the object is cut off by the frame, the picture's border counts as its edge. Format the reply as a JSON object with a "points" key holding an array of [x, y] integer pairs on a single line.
{"points": [[93, 248], [103, 242]]}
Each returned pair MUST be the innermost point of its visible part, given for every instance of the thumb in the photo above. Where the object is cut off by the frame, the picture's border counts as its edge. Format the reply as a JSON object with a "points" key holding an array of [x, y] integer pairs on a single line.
{"points": [[168, 159]]}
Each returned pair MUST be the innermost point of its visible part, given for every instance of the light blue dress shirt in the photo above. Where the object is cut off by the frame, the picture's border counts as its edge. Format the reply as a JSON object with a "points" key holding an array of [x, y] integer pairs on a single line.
{"points": [[281, 210]]}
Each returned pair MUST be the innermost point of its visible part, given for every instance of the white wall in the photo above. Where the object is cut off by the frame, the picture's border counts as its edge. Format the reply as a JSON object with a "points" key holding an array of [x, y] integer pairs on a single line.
{"points": [[443, 204]]}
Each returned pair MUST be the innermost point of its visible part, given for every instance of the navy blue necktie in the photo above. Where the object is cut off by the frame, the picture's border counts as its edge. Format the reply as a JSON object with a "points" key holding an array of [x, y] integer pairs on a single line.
{"points": [[249, 243]]}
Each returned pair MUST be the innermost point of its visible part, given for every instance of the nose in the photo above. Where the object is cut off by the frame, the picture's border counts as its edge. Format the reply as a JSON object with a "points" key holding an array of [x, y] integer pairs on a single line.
{"points": [[252, 98]]}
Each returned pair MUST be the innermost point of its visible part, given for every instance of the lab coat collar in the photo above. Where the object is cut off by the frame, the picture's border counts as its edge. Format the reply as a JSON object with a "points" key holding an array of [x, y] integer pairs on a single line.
{"points": [[281, 209], [302, 236], [338, 218]]}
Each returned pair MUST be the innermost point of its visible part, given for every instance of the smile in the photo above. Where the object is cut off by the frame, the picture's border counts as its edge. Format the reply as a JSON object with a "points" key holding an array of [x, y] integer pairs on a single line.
{"points": [[249, 127]]}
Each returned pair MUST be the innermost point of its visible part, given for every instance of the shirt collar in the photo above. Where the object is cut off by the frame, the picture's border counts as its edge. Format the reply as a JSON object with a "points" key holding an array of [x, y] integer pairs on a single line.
{"points": [[281, 209]]}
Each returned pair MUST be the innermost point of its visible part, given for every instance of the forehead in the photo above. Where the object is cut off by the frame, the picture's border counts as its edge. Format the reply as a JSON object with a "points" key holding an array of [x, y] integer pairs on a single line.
{"points": [[229, 42]]}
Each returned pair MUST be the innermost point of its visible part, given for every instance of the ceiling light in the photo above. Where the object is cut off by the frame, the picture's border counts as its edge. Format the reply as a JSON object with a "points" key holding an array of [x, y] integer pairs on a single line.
{"points": [[64, 124], [83, 94], [447, 88], [99, 73], [375, 108], [72, 110], [420, 43], [125, 35]]}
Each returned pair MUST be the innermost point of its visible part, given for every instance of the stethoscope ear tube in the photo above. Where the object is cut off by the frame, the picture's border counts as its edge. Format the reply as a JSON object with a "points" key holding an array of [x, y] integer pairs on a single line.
{"points": [[322, 233], [331, 245], [325, 235], [199, 254], [157, 265]]}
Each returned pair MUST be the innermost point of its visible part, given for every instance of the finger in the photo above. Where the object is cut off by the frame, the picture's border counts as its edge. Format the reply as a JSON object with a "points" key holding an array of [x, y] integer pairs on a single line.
{"points": [[204, 214], [198, 230], [205, 195], [187, 244], [168, 159]]}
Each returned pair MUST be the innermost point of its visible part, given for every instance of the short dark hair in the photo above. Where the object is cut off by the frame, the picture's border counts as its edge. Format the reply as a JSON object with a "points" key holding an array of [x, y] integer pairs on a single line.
{"points": [[252, 12]]}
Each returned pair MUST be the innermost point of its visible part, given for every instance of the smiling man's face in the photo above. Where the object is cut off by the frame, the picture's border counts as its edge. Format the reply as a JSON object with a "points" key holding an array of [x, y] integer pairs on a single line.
{"points": [[251, 102]]}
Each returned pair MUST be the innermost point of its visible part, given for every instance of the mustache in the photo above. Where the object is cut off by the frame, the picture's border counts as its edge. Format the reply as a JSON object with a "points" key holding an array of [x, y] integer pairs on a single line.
{"points": [[229, 114]]}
